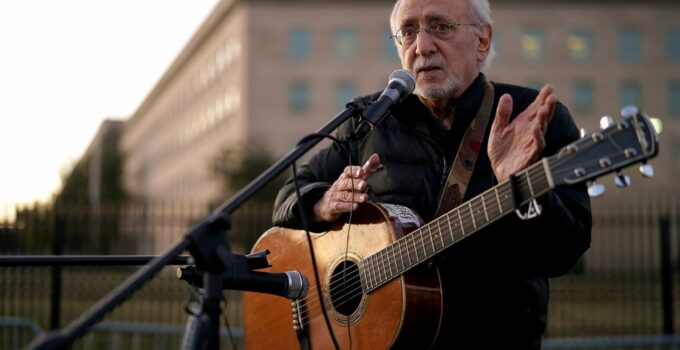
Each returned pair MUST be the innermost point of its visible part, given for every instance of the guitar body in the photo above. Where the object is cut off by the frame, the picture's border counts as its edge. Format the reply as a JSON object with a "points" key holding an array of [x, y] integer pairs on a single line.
{"points": [[405, 312]]}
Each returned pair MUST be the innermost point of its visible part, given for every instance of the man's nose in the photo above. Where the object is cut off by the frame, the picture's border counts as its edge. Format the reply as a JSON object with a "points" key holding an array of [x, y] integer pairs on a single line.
{"points": [[425, 43]]}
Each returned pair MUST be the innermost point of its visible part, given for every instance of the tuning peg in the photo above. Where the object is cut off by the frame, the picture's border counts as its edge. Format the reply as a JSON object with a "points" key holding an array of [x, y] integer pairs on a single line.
{"points": [[647, 170], [595, 189], [621, 180], [583, 132], [629, 111], [606, 122]]}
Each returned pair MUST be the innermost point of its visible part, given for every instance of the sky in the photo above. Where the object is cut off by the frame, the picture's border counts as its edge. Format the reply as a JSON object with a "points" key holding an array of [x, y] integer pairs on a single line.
{"points": [[67, 65]]}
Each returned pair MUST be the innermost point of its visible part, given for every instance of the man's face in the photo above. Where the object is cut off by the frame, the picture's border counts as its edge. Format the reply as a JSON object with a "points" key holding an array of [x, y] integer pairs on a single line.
{"points": [[443, 68]]}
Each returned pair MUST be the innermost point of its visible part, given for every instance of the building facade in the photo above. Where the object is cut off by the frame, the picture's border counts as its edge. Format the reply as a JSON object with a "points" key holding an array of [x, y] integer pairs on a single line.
{"points": [[261, 74]]}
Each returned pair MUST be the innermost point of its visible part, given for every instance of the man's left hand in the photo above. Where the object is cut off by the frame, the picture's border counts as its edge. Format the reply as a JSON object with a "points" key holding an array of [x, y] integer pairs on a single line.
{"points": [[515, 145]]}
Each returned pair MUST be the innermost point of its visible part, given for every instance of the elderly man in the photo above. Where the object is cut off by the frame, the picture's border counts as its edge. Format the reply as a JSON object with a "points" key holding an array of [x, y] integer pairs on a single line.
{"points": [[494, 284]]}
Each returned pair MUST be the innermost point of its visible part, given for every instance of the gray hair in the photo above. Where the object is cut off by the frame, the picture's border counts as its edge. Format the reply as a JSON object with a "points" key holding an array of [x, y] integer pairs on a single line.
{"points": [[480, 13]]}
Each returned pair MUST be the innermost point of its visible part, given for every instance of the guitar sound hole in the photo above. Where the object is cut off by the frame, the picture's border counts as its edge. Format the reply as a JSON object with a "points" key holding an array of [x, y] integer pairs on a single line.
{"points": [[345, 288]]}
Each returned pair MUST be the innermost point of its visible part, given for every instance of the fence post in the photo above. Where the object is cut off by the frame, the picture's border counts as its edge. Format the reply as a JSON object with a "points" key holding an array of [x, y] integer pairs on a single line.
{"points": [[57, 249], [666, 275]]}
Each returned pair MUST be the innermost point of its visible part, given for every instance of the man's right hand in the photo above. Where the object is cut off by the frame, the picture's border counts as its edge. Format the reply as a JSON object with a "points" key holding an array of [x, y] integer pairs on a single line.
{"points": [[347, 191]]}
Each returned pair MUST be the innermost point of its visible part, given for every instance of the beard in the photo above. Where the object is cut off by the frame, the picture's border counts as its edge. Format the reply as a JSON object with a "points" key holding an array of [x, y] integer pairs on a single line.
{"points": [[435, 91]]}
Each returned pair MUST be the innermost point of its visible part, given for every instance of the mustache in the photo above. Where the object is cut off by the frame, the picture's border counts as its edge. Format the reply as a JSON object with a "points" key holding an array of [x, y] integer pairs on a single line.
{"points": [[428, 62]]}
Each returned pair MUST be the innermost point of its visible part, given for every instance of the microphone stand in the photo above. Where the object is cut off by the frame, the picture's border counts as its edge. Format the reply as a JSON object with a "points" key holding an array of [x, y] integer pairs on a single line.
{"points": [[206, 241]]}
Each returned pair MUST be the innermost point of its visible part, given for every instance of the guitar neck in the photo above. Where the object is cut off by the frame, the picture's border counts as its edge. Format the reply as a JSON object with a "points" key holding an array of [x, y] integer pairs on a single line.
{"points": [[452, 227]]}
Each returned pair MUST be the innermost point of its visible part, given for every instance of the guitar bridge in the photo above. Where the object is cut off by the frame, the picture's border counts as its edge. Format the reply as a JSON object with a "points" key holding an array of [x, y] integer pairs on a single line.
{"points": [[297, 307]]}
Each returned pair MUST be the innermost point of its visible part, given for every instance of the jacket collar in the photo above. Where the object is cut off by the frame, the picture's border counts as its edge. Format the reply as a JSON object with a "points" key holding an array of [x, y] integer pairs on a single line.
{"points": [[413, 113]]}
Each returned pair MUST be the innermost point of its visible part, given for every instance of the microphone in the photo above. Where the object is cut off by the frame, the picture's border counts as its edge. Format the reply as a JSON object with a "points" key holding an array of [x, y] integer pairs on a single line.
{"points": [[400, 84], [290, 284]]}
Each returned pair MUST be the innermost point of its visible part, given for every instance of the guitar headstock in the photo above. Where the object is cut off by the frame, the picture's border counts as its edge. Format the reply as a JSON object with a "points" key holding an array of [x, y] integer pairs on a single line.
{"points": [[630, 140]]}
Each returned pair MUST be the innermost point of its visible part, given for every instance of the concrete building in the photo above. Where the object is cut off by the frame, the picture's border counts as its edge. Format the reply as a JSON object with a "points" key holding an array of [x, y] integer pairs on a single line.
{"points": [[260, 74]]}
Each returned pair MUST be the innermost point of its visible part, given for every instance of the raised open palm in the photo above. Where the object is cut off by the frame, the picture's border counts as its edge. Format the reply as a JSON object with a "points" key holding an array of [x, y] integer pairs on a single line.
{"points": [[515, 145]]}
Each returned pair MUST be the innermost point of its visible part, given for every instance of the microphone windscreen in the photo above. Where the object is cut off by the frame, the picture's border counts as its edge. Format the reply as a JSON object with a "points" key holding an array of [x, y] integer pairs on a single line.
{"points": [[406, 77]]}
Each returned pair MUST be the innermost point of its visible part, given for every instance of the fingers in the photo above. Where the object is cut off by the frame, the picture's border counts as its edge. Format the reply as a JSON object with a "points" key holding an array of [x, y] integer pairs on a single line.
{"points": [[347, 191], [503, 112], [545, 92], [362, 172], [372, 165]]}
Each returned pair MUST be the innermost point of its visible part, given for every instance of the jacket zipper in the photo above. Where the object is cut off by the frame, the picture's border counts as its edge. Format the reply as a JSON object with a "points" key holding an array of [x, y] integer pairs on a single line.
{"points": [[445, 172]]}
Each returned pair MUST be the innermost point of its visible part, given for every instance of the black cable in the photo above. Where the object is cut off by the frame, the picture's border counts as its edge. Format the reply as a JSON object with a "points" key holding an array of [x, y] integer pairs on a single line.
{"points": [[305, 225], [313, 257]]}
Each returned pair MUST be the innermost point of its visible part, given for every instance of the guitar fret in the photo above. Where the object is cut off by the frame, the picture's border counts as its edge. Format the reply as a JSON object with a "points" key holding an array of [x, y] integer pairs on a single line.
{"points": [[441, 234], [531, 188], [387, 261], [472, 214], [382, 269], [422, 244], [486, 214], [392, 260], [498, 199], [408, 253], [369, 272], [460, 220], [448, 221], [432, 241], [401, 256]]}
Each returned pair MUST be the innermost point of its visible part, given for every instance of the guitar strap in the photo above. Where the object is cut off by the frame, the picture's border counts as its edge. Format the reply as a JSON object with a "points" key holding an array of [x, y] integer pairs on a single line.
{"points": [[466, 158]]}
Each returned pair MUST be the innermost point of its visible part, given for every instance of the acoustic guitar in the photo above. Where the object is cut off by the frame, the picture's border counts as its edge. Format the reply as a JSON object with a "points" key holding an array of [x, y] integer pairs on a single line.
{"points": [[377, 288]]}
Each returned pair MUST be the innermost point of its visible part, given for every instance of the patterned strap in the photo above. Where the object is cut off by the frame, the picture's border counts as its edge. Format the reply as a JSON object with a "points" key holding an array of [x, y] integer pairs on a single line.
{"points": [[466, 158]]}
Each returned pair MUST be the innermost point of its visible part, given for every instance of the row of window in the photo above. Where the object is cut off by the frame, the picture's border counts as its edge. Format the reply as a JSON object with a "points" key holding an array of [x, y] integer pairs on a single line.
{"points": [[345, 44], [630, 93], [582, 95], [580, 45], [533, 44]]}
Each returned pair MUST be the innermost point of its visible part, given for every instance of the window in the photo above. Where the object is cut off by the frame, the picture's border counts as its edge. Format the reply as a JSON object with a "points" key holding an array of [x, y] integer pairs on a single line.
{"points": [[533, 45], [673, 98], [345, 43], [629, 45], [389, 46], [299, 44], [673, 45], [580, 44], [298, 97], [582, 96], [344, 92], [630, 94]]}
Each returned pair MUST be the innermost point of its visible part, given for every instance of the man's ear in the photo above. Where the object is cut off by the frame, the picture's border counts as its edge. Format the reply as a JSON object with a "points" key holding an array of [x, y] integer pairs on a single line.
{"points": [[484, 41]]}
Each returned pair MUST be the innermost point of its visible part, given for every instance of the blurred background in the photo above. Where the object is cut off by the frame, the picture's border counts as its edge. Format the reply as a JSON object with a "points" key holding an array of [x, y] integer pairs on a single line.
{"points": [[227, 87]]}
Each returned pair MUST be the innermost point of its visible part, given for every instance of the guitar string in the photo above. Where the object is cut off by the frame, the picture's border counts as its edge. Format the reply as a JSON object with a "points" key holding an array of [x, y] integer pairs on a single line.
{"points": [[475, 204]]}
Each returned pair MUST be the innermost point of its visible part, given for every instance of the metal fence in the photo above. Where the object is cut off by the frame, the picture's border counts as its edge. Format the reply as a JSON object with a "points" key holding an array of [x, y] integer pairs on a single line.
{"points": [[623, 294]]}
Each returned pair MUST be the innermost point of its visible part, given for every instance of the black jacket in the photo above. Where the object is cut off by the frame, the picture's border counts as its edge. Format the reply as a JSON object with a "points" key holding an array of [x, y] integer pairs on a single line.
{"points": [[495, 283]]}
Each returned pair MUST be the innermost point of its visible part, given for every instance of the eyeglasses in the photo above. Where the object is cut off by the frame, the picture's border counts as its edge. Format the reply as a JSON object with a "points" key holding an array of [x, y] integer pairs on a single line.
{"points": [[443, 31]]}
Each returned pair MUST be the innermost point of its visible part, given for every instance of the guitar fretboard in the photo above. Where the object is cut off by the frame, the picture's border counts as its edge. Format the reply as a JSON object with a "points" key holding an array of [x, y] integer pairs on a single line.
{"points": [[450, 228]]}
